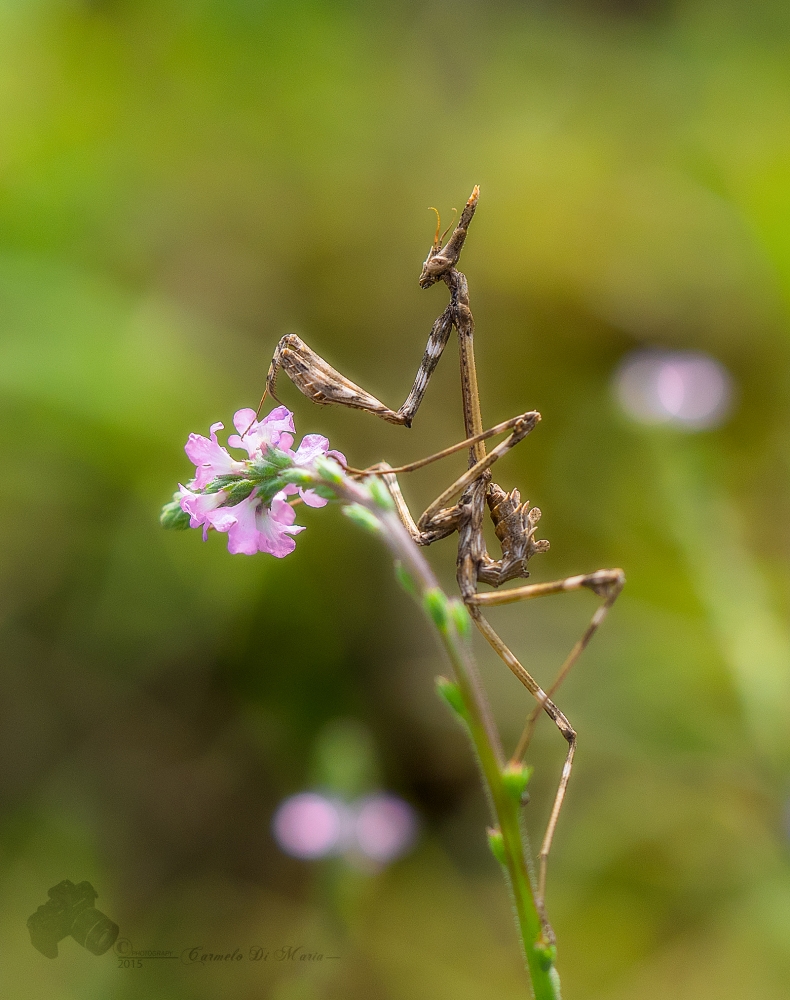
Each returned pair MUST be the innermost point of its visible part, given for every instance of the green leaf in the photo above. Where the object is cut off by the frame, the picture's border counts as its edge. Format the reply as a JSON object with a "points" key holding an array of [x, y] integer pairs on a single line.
{"points": [[324, 491]]}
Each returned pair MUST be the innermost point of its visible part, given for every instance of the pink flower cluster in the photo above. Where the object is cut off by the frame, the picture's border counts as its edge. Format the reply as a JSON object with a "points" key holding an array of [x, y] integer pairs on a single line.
{"points": [[251, 525]]}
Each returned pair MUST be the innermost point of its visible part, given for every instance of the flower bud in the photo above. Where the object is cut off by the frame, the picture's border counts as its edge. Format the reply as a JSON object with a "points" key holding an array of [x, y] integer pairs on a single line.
{"points": [[297, 476], [437, 607], [547, 954], [405, 579], [497, 844], [460, 617], [328, 469], [362, 516], [173, 516], [380, 493], [515, 778], [449, 692]]}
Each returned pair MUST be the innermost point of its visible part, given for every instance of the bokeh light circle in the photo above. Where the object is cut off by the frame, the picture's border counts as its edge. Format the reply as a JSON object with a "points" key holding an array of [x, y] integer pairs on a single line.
{"points": [[307, 826], [686, 389], [385, 827]]}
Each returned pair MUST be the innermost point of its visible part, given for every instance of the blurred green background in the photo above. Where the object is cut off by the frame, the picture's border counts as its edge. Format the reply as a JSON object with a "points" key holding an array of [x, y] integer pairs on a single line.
{"points": [[182, 183]]}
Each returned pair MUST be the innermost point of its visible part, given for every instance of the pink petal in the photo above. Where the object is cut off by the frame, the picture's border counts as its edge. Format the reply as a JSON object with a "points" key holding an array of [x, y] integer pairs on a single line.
{"points": [[242, 527], [254, 435], [210, 459], [312, 499], [282, 511], [313, 446], [200, 505], [243, 418], [280, 419], [274, 533]]}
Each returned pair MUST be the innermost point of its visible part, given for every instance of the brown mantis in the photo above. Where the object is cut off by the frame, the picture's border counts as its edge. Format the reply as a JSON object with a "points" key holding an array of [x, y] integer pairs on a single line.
{"points": [[514, 522]]}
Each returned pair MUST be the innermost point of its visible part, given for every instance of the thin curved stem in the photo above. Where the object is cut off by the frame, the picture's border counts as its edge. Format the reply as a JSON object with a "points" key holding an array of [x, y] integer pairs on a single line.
{"points": [[446, 616]]}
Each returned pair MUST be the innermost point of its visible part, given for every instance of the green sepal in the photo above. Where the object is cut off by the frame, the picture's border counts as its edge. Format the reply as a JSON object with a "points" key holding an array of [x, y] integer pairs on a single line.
{"points": [[273, 460], [515, 778], [239, 492], [450, 693], [268, 489], [173, 517], [405, 579], [497, 844], [380, 493], [437, 606], [362, 516], [324, 491], [221, 483], [460, 617]]}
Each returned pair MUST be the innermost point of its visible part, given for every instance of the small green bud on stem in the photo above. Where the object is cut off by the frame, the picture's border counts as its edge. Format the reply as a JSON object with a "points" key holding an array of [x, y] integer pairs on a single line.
{"points": [[380, 493], [497, 844], [449, 692], [515, 778], [362, 517], [297, 476], [461, 619], [328, 469], [547, 954], [405, 579], [437, 607]]}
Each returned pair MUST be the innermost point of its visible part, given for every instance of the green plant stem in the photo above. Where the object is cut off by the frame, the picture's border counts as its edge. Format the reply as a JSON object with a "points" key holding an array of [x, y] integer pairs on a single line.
{"points": [[505, 807]]}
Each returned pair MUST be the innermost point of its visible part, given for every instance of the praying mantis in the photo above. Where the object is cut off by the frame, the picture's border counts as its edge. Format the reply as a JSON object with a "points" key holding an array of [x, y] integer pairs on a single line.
{"points": [[514, 522]]}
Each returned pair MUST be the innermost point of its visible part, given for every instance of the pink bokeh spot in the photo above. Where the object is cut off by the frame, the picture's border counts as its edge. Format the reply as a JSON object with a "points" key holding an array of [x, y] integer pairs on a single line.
{"points": [[385, 827], [307, 826]]}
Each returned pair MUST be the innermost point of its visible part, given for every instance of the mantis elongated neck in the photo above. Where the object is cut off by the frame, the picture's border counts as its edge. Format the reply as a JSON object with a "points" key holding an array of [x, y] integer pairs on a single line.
{"points": [[465, 324]]}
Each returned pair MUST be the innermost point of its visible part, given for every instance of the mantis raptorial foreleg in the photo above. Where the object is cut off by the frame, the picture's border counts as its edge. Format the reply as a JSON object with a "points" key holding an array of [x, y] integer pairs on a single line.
{"points": [[323, 384]]}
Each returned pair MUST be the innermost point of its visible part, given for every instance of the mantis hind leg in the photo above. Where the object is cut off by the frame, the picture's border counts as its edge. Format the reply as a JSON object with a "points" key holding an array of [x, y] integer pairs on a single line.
{"points": [[605, 583]]}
